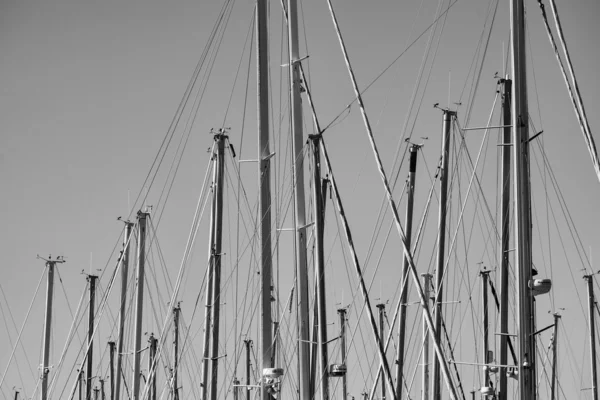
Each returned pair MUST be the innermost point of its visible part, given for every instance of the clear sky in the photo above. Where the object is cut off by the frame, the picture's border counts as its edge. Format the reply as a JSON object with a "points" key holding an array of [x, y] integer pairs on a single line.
{"points": [[88, 90]]}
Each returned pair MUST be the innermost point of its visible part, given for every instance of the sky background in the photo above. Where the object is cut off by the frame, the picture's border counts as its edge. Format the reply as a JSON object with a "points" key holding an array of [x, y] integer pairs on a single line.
{"points": [[88, 90]]}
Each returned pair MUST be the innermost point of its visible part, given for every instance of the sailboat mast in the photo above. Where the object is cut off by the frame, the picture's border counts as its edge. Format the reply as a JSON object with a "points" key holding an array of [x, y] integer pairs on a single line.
{"points": [[504, 220], [381, 308], [404, 297], [51, 264], [111, 346], [92, 280], [216, 261], [139, 302], [592, 324], [175, 390], [299, 200], [486, 344], [124, 274], [425, 380], [520, 125], [320, 266], [441, 254], [248, 343], [342, 312], [264, 177], [554, 355], [152, 368]]}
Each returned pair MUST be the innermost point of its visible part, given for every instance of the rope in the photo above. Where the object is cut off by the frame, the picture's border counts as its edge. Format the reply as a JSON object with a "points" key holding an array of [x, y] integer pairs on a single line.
{"points": [[575, 97]]}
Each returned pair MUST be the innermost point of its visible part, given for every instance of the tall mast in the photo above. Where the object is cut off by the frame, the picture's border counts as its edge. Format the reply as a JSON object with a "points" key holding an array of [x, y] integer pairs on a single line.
{"points": [[111, 346], [381, 308], [216, 260], [591, 301], [505, 226], [554, 355], [404, 297], [80, 383], [48, 323], [124, 273], [152, 368], [342, 312], [139, 301], [264, 177], [92, 280], [175, 389], [441, 255], [425, 381], [520, 125], [248, 343], [300, 223], [486, 344]]}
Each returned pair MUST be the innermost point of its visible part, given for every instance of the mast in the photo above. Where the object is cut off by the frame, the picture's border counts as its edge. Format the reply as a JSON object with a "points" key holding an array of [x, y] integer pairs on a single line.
{"points": [[342, 312], [520, 124], [486, 344], [554, 355], [381, 308], [505, 226], [216, 260], [102, 394], [151, 367], [425, 381], [300, 222], [248, 343], [124, 273], [139, 301], [592, 324], [111, 346], [404, 296], [51, 264], [320, 266], [264, 177], [80, 383], [441, 255], [92, 280], [175, 389]]}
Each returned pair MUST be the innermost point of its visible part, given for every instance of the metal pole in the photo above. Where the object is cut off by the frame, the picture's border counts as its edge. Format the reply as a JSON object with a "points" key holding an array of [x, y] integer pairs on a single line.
{"points": [[299, 201], [80, 379], [425, 384], [342, 312], [175, 389], [152, 368], [554, 355], [247, 343], [275, 340], [486, 344], [441, 255], [520, 123], [92, 280], [139, 302], [111, 346], [320, 266], [124, 275], [591, 301], [264, 174], [381, 308], [216, 259], [103, 395], [505, 223], [404, 297], [48, 325]]}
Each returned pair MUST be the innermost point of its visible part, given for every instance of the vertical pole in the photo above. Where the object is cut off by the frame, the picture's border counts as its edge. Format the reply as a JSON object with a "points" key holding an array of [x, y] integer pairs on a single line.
{"points": [[248, 343], [554, 355], [505, 218], [486, 344], [441, 255], [275, 340], [300, 222], [92, 280], [216, 260], [342, 312], [236, 389], [425, 384], [102, 394], [264, 177], [47, 327], [404, 296], [124, 275], [111, 346], [381, 308], [16, 395], [320, 267], [80, 379], [152, 367], [592, 325], [175, 389], [96, 391], [520, 124], [139, 302]]}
